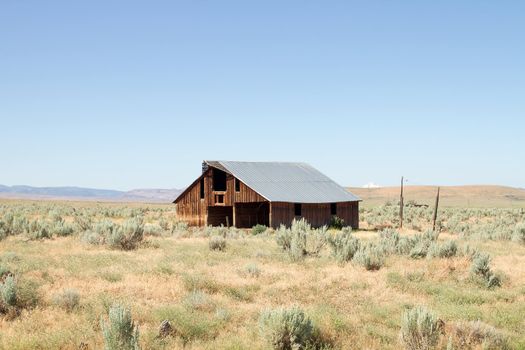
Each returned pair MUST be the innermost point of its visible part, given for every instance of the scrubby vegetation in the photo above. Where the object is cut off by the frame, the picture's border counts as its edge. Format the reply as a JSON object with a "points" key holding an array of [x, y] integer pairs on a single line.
{"points": [[120, 331], [420, 329], [65, 268], [286, 329]]}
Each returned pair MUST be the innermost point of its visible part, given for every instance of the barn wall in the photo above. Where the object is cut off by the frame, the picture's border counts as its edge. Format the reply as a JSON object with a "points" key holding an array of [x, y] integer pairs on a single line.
{"points": [[220, 215], [190, 207], [193, 210], [248, 215], [349, 212], [316, 214]]}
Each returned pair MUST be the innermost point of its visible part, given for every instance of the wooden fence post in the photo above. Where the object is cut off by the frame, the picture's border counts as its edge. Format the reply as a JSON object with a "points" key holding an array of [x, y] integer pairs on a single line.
{"points": [[401, 205], [435, 212]]}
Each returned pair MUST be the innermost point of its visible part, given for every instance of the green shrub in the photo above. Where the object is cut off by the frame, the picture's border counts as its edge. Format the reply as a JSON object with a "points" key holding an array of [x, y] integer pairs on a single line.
{"points": [[493, 281], [480, 268], [127, 236], [481, 265], [389, 241], [217, 243], [369, 256], [253, 270], [198, 300], [27, 294], [120, 332], [3, 230], [153, 230], [283, 237], [179, 227], [447, 249], [336, 223], [259, 229], [8, 290], [164, 225], [468, 252], [39, 230], [420, 249], [297, 249], [69, 300], [84, 222], [405, 245], [420, 329], [344, 246], [286, 329], [104, 228], [62, 229], [519, 233], [301, 240], [92, 237]]}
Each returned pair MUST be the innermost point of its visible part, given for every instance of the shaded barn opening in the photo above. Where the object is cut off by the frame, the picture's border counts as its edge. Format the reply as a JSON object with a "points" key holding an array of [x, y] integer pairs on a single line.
{"points": [[333, 209], [219, 180], [217, 216], [248, 215]]}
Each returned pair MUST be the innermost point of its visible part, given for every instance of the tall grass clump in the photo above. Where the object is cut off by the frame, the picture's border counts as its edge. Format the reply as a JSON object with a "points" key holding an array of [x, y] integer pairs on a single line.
{"points": [[519, 233], [217, 243], [68, 300], [252, 270], [179, 228], [120, 332], [474, 334], [286, 329], [343, 245], [420, 329]]}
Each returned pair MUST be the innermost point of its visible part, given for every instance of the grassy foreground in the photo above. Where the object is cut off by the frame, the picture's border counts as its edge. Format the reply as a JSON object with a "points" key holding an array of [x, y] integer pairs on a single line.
{"points": [[213, 298]]}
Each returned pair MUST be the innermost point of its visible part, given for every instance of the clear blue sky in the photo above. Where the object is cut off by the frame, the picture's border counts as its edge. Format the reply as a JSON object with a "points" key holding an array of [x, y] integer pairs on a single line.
{"points": [[130, 94]]}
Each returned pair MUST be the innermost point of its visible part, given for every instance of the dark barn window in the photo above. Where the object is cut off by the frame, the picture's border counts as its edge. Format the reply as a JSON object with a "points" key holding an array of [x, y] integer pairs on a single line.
{"points": [[333, 209], [219, 199], [202, 188], [297, 209], [219, 180], [237, 185]]}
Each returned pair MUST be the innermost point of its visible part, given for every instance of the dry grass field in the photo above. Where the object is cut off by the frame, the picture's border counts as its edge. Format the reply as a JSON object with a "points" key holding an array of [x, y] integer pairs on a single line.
{"points": [[451, 196], [213, 299]]}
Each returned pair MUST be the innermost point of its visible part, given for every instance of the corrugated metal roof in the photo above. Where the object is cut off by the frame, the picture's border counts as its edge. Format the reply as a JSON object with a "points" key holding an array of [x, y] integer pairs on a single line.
{"points": [[287, 182], [216, 164]]}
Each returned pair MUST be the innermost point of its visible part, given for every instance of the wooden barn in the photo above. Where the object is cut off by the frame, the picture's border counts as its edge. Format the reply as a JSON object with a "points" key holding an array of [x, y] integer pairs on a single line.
{"points": [[244, 194]]}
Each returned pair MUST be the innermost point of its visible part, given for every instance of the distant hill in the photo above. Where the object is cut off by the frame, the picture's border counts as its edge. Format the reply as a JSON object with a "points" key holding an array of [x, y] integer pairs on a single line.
{"points": [[92, 194], [452, 196]]}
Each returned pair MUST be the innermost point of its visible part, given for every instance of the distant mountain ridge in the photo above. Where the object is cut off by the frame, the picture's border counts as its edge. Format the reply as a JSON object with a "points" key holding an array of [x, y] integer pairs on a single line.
{"points": [[454, 196], [93, 194]]}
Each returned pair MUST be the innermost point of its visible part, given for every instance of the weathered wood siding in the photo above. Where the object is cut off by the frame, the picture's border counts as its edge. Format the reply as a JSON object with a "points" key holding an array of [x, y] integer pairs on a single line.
{"points": [[190, 207], [194, 210], [248, 215], [316, 214]]}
